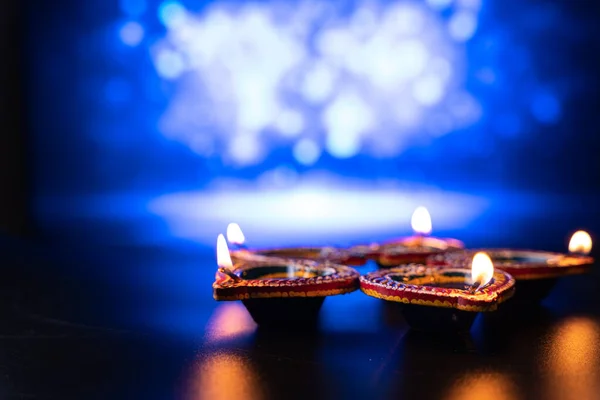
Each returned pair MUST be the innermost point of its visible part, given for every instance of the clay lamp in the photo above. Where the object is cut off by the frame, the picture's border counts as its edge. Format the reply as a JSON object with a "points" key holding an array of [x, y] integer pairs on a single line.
{"points": [[280, 292], [536, 272], [236, 237], [441, 299], [412, 249]]}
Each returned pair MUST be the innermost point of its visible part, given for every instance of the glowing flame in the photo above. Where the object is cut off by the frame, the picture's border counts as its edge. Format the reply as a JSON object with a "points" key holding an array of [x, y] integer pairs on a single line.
{"points": [[482, 269], [223, 256], [421, 221], [581, 242], [235, 234]]}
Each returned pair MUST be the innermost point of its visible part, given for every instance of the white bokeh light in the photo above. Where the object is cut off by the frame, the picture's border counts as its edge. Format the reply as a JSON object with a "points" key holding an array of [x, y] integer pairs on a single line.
{"points": [[364, 82]]}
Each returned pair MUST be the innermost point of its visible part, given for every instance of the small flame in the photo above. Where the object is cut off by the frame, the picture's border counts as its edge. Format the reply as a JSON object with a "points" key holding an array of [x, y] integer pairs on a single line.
{"points": [[235, 234], [581, 242], [223, 256], [421, 221], [482, 269]]}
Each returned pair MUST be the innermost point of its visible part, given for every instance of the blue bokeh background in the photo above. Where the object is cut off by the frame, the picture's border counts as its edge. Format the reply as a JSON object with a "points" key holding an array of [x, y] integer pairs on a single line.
{"points": [[159, 111]]}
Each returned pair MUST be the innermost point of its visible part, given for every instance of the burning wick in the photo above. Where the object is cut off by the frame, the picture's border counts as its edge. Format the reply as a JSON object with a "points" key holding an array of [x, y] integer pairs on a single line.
{"points": [[421, 223], [581, 243], [235, 236], [482, 271], [224, 258]]}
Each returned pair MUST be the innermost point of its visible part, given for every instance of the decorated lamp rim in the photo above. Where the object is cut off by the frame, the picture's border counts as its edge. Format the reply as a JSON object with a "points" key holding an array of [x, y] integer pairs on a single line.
{"points": [[229, 285], [427, 244], [319, 253], [379, 284], [551, 264]]}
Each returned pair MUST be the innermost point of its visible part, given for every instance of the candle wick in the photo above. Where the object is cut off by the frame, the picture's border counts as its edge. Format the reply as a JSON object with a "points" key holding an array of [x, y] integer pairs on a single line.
{"points": [[474, 287], [229, 273]]}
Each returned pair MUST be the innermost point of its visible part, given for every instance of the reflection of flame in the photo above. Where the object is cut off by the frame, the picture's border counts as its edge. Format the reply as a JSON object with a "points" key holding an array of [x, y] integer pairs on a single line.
{"points": [[421, 221], [482, 269], [223, 376], [223, 256], [488, 386], [229, 321], [573, 360], [235, 234], [581, 242]]}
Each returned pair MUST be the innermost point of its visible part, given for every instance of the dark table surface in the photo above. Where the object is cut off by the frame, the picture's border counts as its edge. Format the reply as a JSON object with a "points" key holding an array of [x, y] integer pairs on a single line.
{"points": [[130, 320]]}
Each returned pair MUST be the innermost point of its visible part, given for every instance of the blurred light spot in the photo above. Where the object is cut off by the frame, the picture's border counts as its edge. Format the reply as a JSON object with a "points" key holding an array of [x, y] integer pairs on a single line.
{"points": [[318, 83], [440, 67], [474, 5], [546, 108], [363, 21], [346, 119], [245, 149], [131, 33], [290, 123], [573, 360], [307, 152], [483, 385], [171, 14], [229, 321], [439, 4], [169, 64], [404, 18], [133, 8], [117, 91], [223, 376], [408, 61], [428, 90], [462, 25]]}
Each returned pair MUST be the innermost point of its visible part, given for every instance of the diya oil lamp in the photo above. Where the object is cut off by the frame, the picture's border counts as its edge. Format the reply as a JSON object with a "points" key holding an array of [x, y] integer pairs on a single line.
{"points": [[536, 272], [280, 292], [413, 249], [236, 237], [441, 299]]}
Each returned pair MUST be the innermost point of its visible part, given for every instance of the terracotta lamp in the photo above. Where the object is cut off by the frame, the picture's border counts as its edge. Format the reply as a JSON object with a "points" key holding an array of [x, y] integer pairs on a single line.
{"points": [[536, 272], [441, 299], [412, 249], [278, 291], [236, 237]]}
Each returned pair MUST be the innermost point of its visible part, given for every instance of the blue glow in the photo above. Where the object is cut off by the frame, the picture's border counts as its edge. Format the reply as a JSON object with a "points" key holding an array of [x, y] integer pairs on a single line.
{"points": [[462, 25], [546, 108], [439, 4], [133, 8], [171, 14], [131, 33], [508, 125], [169, 64], [306, 152], [117, 91], [272, 95]]}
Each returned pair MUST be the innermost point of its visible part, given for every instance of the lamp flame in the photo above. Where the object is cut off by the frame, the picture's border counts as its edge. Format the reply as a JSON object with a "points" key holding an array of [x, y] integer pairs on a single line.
{"points": [[235, 234], [581, 242], [421, 221], [482, 269], [223, 256]]}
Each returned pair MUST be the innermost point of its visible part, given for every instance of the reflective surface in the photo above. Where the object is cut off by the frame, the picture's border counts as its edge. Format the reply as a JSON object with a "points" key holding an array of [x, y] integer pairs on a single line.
{"points": [[129, 319]]}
